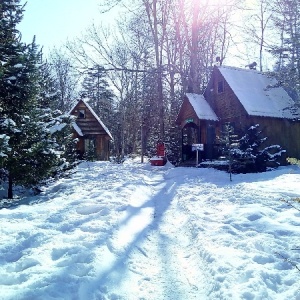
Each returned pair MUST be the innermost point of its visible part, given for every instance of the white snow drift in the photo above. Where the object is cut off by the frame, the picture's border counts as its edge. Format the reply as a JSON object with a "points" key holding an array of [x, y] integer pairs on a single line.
{"points": [[134, 231]]}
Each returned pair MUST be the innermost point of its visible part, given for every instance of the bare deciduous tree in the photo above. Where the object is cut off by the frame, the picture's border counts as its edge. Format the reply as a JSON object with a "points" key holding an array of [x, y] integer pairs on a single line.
{"points": [[66, 78], [157, 50]]}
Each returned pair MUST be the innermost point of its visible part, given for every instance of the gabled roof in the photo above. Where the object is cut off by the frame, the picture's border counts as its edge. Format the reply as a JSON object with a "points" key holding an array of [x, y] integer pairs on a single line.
{"points": [[78, 130], [201, 107], [259, 93]]}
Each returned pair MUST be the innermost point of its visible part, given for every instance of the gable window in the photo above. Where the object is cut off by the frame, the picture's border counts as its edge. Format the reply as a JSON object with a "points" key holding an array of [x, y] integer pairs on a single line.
{"points": [[81, 114], [220, 87]]}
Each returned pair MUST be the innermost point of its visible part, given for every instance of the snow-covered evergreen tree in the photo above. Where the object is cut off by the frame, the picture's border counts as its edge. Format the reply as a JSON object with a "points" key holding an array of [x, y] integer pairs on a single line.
{"points": [[247, 154], [34, 149], [229, 144], [251, 156]]}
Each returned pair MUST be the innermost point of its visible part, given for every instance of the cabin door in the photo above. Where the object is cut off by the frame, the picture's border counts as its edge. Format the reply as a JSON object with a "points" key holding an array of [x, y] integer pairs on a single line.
{"points": [[190, 136], [90, 148], [210, 141]]}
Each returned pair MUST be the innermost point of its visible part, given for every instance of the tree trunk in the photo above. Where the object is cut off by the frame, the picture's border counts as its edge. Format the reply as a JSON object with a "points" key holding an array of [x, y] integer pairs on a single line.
{"points": [[194, 85], [10, 187], [152, 14]]}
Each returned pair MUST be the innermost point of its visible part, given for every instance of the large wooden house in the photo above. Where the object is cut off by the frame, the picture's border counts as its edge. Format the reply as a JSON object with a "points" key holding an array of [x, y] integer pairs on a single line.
{"points": [[241, 97], [93, 136]]}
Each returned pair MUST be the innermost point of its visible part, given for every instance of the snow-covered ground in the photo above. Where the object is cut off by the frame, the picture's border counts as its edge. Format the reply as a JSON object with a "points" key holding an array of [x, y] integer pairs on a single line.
{"points": [[134, 231]]}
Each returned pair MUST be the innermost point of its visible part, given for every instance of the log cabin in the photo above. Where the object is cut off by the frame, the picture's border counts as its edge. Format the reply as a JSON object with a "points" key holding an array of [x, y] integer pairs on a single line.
{"points": [[241, 97], [93, 136]]}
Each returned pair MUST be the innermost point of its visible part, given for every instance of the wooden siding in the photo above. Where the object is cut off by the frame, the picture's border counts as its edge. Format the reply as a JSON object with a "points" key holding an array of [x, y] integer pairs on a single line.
{"points": [[228, 108], [91, 130], [283, 132], [102, 148], [186, 114], [88, 125], [226, 105]]}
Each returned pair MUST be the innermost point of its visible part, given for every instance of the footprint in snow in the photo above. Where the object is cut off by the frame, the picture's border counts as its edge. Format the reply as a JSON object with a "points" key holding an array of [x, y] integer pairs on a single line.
{"points": [[92, 209]]}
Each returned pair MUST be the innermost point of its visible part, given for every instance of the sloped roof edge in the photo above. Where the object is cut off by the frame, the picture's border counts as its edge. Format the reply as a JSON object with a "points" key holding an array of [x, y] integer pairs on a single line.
{"points": [[259, 93], [201, 107], [94, 114], [77, 129]]}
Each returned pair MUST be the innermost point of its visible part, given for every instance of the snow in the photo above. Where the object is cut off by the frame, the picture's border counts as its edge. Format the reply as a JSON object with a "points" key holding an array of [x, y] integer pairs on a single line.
{"points": [[136, 231], [77, 129], [201, 107], [157, 158], [18, 66], [57, 127], [12, 78], [259, 93]]}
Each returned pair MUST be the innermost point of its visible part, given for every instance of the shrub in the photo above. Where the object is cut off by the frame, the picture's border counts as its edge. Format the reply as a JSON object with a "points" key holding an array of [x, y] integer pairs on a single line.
{"points": [[247, 154]]}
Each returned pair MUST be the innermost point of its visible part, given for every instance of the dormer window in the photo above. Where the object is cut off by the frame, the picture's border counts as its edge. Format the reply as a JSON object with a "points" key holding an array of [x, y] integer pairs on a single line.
{"points": [[220, 87], [81, 114]]}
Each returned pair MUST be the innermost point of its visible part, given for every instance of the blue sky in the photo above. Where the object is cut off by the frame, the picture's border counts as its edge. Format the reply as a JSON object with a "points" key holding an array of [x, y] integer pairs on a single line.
{"points": [[55, 21]]}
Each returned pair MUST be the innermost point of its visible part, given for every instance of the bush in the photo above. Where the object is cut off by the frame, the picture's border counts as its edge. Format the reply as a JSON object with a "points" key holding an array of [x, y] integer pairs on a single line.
{"points": [[247, 154], [293, 161]]}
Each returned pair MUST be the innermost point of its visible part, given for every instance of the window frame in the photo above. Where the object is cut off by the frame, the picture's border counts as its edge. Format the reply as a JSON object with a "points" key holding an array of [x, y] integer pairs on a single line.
{"points": [[81, 113], [220, 86]]}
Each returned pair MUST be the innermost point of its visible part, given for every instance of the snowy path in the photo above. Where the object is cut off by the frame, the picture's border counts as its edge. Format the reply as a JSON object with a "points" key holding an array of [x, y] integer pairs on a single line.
{"points": [[161, 260], [135, 232], [150, 249]]}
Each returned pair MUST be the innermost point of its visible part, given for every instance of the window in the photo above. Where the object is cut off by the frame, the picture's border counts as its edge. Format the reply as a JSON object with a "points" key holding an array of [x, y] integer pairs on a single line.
{"points": [[89, 144], [81, 114], [220, 87], [90, 149]]}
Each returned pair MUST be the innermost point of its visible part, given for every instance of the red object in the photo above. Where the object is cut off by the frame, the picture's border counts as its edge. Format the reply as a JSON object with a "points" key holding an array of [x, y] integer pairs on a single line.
{"points": [[160, 158], [157, 161], [160, 149]]}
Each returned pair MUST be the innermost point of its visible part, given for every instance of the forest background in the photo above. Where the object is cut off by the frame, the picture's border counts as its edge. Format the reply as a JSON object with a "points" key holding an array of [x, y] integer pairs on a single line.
{"points": [[135, 73]]}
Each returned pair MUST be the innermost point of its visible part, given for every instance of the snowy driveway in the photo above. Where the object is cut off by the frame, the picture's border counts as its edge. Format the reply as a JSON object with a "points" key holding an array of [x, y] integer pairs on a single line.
{"points": [[134, 232]]}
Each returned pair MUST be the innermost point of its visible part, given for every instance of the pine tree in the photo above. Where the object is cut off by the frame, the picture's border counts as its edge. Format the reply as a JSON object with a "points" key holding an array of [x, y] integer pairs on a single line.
{"points": [[35, 148], [229, 144], [252, 156], [286, 18], [96, 88]]}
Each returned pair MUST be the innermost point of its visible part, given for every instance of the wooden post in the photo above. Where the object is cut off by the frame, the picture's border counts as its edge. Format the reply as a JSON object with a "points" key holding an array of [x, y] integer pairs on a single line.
{"points": [[142, 144]]}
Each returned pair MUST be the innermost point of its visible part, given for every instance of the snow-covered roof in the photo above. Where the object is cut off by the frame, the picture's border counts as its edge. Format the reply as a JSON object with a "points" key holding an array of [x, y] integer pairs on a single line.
{"points": [[77, 129], [96, 117], [201, 107], [259, 93]]}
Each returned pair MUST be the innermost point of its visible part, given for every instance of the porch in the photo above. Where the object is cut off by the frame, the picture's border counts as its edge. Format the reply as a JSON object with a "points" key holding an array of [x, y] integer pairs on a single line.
{"points": [[205, 135]]}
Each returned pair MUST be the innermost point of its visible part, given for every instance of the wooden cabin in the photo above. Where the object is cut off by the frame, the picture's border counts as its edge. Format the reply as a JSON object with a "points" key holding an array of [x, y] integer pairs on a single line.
{"points": [[241, 97], [198, 122], [93, 136]]}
